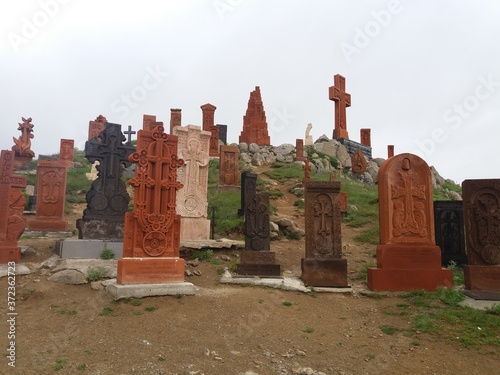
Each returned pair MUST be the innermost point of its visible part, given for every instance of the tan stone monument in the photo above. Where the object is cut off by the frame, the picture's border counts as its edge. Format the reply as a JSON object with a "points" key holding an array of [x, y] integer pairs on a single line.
{"points": [[309, 139]]}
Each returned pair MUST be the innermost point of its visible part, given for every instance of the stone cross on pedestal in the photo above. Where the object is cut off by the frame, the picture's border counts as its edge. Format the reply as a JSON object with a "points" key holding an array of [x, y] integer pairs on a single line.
{"points": [[342, 101], [129, 134], [307, 172], [11, 221]]}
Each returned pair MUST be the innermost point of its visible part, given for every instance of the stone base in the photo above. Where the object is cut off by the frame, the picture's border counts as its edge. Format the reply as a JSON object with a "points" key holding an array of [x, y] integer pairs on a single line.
{"points": [[10, 254], [403, 280], [353, 146], [257, 257], [100, 229], [195, 228], [150, 270], [48, 225], [488, 296], [325, 273], [258, 269], [408, 257], [150, 290], [482, 279], [87, 249]]}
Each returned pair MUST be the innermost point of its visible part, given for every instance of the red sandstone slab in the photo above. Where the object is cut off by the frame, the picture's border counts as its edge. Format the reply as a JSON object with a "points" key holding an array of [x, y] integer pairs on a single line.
{"points": [[10, 254], [407, 280], [408, 257], [324, 273], [150, 270], [482, 278]]}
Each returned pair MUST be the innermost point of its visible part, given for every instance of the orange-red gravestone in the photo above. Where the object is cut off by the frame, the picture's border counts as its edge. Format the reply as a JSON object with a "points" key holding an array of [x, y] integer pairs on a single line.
{"points": [[407, 257], [152, 230], [365, 136], [254, 121], [481, 202], [22, 145], [66, 152], [228, 167], [11, 208], [358, 162], [51, 195], [299, 150], [96, 127], [175, 118], [307, 172], [342, 101], [149, 122], [390, 151], [209, 125]]}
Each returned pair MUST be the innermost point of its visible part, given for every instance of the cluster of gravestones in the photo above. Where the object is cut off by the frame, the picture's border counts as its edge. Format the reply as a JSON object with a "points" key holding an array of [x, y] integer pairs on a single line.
{"points": [[170, 204]]}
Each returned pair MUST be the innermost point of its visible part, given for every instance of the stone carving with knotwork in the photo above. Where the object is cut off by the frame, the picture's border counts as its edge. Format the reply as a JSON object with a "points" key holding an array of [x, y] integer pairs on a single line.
{"points": [[449, 228], [152, 230], [481, 200], [192, 200], [342, 101], [66, 152], [358, 162], [22, 145], [11, 208], [299, 150], [248, 189], [365, 135], [323, 264], [51, 194], [96, 127], [407, 257], [107, 199], [228, 167]]}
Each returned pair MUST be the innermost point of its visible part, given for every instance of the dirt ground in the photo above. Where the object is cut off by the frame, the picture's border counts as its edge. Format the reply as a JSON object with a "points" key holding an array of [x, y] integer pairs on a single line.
{"points": [[223, 329]]}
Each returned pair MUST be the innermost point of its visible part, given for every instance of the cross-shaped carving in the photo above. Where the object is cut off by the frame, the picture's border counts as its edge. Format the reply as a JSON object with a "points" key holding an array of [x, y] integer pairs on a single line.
{"points": [[129, 133], [342, 101], [413, 219], [323, 209]]}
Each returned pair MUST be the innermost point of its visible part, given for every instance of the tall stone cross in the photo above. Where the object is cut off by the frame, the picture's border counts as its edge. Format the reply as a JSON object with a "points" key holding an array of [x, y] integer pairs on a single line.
{"points": [[342, 101], [322, 209], [7, 182], [129, 134]]}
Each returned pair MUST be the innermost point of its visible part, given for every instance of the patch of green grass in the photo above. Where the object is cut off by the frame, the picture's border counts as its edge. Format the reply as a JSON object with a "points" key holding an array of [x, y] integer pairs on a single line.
{"points": [[227, 204], [151, 308], [283, 172], [66, 312], [107, 311], [458, 273], [82, 367], [299, 203], [362, 273], [60, 362], [161, 358], [27, 293], [453, 187], [203, 254], [308, 330], [107, 254], [136, 302], [94, 274], [388, 330], [136, 312], [287, 303]]}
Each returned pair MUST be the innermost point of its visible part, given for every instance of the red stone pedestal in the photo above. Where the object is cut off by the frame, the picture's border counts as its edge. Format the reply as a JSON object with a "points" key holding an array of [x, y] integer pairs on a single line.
{"points": [[48, 224], [10, 254], [324, 273], [150, 270], [258, 263], [482, 282]]}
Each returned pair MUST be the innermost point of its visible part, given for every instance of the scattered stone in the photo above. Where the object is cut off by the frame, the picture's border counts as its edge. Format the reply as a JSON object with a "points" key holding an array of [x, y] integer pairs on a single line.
{"points": [[188, 273], [96, 285], [68, 277], [194, 262], [51, 262], [21, 269], [197, 273], [225, 258]]}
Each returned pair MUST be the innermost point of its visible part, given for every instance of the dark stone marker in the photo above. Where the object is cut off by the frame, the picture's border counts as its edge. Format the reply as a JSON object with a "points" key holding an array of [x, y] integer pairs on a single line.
{"points": [[449, 228], [257, 260], [129, 134], [482, 220], [248, 189], [323, 264], [222, 133], [107, 199]]}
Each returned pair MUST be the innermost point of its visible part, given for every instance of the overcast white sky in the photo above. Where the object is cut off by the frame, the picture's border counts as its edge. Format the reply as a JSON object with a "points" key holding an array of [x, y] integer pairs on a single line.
{"points": [[423, 75]]}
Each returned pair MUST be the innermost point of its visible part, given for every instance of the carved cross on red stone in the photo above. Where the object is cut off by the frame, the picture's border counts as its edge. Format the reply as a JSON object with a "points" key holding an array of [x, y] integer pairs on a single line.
{"points": [[342, 101], [323, 209], [307, 172]]}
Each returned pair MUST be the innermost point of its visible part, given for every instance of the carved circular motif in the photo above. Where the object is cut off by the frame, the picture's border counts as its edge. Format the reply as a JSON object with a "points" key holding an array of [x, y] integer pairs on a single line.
{"points": [[154, 244], [119, 203], [98, 202], [491, 254], [191, 203]]}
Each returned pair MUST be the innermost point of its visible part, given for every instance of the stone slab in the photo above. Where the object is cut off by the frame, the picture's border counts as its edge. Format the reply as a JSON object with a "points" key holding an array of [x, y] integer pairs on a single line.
{"points": [[478, 295], [222, 243], [324, 273], [100, 229], [353, 146], [10, 254], [49, 226], [259, 269], [119, 291], [46, 233], [408, 257], [407, 280], [482, 278], [195, 228], [20, 269], [257, 257], [86, 249], [150, 270], [478, 304]]}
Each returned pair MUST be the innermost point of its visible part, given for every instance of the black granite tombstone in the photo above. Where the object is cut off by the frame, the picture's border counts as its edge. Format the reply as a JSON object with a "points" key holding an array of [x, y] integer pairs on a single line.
{"points": [[248, 189], [449, 231], [222, 133]]}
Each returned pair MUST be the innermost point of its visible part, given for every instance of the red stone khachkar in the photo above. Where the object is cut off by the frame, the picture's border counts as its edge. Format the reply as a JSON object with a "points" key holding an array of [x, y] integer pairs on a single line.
{"points": [[390, 151], [22, 145], [209, 126], [66, 152], [175, 118], [11, 209], [342, 101], [358, 162], [152, 230], [407, 257], [51, 194], [299, 150], [149, 122], [228, 167], [481, 202], [365, 136], [307, 172], [254, 121], [96, 127]]}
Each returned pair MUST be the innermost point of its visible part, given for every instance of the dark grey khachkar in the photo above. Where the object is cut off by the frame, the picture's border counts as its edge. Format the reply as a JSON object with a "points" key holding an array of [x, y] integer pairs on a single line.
{"points": [[257, 260], [323, 265], [107, 199], [449, 231], [222, 133], [248, 189]]}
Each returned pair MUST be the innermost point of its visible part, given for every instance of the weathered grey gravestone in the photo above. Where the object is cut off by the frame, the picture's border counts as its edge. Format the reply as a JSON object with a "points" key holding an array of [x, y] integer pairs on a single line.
{"points": [[107, 199], [449, 228], [482, 220], [222, 133], [248, 189], [323, 264], [257, 260]]}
